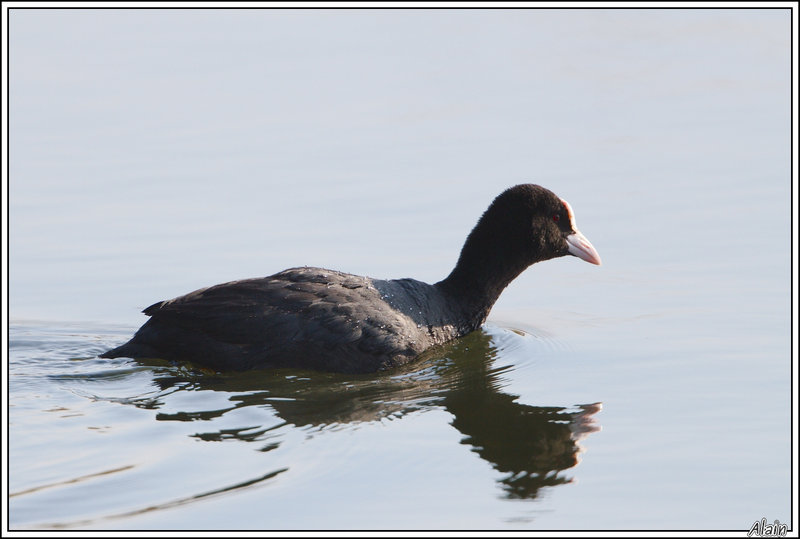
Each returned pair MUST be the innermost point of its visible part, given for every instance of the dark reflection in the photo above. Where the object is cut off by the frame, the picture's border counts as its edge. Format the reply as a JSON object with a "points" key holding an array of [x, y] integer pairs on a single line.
{"points": [[529, 445]]}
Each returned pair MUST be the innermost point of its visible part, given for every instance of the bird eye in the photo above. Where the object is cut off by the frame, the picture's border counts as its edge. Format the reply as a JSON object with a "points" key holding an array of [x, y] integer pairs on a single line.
{"points": [[556, 217]]}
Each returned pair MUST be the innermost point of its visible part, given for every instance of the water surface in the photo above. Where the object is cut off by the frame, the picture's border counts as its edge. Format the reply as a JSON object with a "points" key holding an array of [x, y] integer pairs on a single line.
{"points": [[124, 429]]}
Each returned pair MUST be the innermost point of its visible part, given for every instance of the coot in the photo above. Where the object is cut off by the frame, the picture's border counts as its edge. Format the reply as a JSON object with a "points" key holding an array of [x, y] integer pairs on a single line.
{"points": [[327, 320]]}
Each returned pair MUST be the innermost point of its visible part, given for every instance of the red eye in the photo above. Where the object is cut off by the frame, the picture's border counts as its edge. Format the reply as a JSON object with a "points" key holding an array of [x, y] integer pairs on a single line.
{"points": [[556, 217]]}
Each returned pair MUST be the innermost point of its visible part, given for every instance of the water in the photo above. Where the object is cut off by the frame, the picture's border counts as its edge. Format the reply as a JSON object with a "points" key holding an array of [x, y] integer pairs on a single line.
{"points": [[289, 440], [653, 392]]}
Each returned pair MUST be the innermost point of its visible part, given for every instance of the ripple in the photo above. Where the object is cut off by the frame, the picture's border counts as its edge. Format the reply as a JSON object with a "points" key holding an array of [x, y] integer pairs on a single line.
{"points": [[71, 481], [247, 484]]}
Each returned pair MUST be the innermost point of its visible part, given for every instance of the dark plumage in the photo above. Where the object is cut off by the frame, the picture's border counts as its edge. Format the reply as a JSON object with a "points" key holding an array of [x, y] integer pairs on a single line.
{"points": [[328, 320]]}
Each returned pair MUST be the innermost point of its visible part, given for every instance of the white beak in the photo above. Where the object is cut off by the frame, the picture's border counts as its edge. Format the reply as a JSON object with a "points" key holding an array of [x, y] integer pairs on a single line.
{"points": [[579, 246]]}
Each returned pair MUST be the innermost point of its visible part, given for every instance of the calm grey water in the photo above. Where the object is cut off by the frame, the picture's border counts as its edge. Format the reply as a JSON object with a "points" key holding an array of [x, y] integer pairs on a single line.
{"points": [[156, 152]]}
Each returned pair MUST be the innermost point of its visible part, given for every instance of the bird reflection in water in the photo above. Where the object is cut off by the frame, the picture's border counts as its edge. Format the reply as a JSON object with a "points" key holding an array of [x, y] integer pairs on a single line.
{"points": [[529, 445]]}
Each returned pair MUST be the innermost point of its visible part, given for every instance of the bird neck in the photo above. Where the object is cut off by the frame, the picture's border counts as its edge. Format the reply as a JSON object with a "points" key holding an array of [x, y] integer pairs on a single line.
{"points": [[485, 268]]}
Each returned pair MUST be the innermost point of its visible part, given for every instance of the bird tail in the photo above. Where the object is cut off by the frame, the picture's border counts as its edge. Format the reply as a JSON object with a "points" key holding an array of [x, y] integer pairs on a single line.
{"points": [[129, 349]]}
